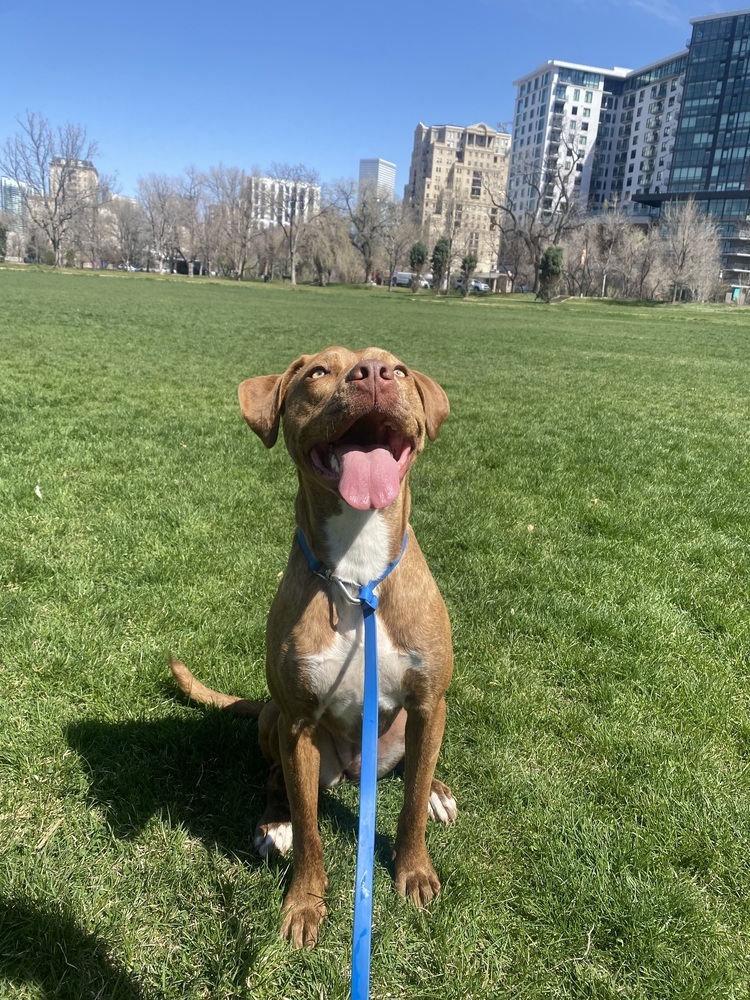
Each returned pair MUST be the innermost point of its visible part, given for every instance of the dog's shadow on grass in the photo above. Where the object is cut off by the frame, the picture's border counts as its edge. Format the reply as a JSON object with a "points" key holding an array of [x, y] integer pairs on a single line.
{"points": [[205, 772], [49, 949]]}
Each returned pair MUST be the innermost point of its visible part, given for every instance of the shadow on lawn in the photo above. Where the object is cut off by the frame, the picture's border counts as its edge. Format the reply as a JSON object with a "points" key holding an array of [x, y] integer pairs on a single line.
{"points": [[49, 949], [206, 773]]}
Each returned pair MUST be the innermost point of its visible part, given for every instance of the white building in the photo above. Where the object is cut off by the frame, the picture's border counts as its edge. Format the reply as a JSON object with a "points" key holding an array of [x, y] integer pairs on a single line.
{"points": [[602, 134], [380, 173], [277, 202]]}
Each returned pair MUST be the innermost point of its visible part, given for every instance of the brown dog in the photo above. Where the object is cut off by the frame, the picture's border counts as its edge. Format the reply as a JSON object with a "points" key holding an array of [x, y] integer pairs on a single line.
{"points": [[354, 423]]}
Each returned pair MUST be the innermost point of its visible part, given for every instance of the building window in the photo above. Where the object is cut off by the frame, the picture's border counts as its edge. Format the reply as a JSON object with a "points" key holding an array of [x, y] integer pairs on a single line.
{"points": [[589, 97]]}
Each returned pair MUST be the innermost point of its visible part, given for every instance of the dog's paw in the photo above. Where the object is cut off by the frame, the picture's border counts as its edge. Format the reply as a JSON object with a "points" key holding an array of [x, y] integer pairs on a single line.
{"points": [[273, 837], [301, 924], [442, 806], [419, 883]]}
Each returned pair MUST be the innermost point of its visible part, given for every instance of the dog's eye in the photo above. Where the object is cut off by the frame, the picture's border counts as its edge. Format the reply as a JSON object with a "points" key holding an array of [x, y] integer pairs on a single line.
{"points": [[399, 372], [318, 372]]}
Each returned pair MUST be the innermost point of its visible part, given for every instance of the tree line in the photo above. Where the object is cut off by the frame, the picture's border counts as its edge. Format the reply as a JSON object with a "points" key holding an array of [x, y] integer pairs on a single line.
{"points": [[208, 220]]}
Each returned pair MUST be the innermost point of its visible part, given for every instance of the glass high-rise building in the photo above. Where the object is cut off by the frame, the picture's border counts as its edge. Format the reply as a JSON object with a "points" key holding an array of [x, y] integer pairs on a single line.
{"points": [[711, 156]]}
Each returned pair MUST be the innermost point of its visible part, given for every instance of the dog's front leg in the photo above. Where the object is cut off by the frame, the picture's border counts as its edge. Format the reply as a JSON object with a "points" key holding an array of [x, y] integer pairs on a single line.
{"points": [[304, 906], [415, 876]]}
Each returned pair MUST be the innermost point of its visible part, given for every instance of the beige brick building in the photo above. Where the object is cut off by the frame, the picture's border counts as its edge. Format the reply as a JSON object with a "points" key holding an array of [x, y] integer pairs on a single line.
{"points": [[456, 175]]}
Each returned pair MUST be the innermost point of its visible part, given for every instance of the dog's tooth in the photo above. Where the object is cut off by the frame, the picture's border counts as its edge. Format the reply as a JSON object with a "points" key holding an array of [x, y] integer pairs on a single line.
{"points": [[334, 462]]}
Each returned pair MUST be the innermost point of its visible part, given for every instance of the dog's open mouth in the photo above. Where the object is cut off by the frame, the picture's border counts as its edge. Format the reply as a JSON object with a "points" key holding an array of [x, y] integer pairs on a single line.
{"points": [[367, 463]]}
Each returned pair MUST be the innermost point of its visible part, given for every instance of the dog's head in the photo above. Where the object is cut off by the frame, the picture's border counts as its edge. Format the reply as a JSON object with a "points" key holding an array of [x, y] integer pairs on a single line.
{"points": [[354, 421]]}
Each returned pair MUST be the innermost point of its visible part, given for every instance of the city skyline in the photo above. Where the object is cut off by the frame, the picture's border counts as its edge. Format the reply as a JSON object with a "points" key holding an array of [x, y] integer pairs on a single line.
{"points": [[160, 93]]}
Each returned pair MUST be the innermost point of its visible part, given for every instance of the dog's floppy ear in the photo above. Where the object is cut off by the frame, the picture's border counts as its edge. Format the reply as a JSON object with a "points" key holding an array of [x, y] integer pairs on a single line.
{"points": [[261, 400], [434, 401]]}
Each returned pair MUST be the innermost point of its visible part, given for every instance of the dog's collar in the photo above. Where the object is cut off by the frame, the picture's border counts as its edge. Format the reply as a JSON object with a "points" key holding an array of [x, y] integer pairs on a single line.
{"points": [[366, 595]]}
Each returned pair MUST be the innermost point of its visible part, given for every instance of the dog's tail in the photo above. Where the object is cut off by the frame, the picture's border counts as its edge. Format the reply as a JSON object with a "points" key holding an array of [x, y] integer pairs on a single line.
{"points": [[202, 695]]}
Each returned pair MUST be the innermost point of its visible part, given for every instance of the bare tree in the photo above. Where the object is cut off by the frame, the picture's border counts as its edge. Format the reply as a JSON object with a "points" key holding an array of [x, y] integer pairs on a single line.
{"points": [[55, 176], [690, 243], [157, 199], [366, 211], [190, 206], [90, 232], [399, 232], [549, 180], [325, 246], [579, 258], [456, 236], [232, 207], [297, 202], [514, 257], [591, 261], [637, 256], [127, 230]]}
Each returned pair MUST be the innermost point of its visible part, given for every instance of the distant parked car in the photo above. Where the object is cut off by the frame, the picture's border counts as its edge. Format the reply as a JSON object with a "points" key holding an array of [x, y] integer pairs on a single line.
{"points": [[475, 285], [403, 279]]}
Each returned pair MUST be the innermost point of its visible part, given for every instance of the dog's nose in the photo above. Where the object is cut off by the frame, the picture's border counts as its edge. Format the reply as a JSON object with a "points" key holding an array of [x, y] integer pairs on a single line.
{"points": [[370, 369]]}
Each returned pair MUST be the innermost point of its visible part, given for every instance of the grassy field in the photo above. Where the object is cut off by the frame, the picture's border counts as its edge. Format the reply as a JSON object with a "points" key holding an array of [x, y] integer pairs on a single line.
{"points": [[585, 511]]}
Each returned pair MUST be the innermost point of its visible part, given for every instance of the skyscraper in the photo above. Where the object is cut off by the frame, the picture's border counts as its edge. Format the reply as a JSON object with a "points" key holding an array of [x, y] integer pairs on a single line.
{"points": [[711, 161], [381, 173]]}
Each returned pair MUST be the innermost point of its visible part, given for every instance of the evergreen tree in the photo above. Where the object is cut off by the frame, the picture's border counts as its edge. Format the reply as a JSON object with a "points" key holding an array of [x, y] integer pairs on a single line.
{"points": [[417, 258], [550, 270], [440, 261], [468, 267]]}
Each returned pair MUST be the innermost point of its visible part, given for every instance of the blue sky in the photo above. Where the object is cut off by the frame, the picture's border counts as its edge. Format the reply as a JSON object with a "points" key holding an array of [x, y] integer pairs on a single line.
{"points": [[163, 86]]}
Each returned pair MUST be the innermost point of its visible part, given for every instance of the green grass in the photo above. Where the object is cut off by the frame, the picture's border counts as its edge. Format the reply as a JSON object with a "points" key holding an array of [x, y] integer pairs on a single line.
{"points": [[585, 511]]}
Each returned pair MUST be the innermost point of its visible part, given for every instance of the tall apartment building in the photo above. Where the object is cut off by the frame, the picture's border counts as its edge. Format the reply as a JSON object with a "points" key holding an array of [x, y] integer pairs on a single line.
{"points": [[380, 173], [711, 160], [676, 128], [457, 177], [11, 198], [74, 179], [14, 216], [601, 134]]}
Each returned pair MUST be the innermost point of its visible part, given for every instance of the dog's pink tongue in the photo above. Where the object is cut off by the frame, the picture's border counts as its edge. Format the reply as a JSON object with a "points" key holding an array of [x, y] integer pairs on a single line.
{"points": [[369, 476]]}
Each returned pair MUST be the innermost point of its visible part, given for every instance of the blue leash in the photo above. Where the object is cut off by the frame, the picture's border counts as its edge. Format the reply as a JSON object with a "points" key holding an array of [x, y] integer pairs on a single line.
{"points": [[362, 934]]}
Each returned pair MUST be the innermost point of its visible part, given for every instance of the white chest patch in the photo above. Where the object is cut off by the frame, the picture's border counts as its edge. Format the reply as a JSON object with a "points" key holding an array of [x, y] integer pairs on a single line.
{"points": [[337, 673], [358, 546]]}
